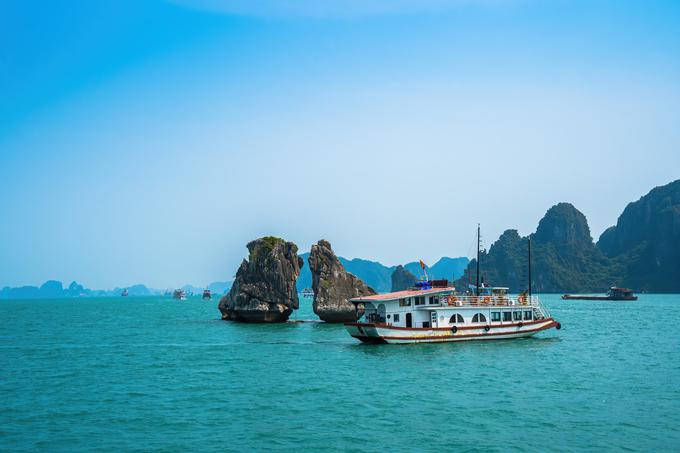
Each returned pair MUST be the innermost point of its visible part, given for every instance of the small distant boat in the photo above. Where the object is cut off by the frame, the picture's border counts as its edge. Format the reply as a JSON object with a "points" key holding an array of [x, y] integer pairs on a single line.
{"points": [[179, 294], [124, 293], [206, 294], [614, 293], [307, 293]]}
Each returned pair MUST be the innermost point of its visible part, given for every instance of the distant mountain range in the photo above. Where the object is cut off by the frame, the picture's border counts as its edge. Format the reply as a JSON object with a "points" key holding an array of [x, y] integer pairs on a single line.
{"points": [[53, 289], [641, 251], [379, 277]]}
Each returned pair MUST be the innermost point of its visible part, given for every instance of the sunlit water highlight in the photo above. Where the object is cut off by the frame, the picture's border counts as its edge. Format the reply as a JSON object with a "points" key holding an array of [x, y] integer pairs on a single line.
{"points": [[140, 374]]}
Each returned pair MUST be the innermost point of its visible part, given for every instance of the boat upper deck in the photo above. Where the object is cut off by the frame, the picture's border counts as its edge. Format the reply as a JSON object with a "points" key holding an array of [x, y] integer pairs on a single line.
{"points": [[454, 300], [447, 298]]}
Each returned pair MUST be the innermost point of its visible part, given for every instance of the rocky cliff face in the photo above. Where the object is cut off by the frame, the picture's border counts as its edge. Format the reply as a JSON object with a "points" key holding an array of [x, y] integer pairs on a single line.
{"points": [[264, 288], [564, 258], [402, 279], [505, 264], [646, 240], [564, 226], [333, 286]]}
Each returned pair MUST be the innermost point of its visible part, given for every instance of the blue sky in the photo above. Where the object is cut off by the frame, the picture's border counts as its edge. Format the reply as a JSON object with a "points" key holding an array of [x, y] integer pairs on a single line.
{"points": [[148, 141]]}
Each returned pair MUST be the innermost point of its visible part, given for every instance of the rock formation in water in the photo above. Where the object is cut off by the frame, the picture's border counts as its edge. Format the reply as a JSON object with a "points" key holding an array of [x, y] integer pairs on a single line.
{"points": [[402, 279], [333, 286], [264, 288], [646, 240]]}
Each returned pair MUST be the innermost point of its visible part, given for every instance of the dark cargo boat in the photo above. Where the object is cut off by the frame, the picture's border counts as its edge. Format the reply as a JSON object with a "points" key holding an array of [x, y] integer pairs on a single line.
{"points": [[614, 293]]}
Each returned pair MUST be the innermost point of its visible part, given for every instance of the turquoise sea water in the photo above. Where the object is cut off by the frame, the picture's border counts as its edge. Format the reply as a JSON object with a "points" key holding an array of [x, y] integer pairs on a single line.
{"points": [[127, 374]]}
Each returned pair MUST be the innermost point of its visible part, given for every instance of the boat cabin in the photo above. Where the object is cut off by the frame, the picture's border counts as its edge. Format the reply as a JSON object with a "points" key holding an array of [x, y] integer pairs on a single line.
{"points": [[437, 307], [620, 292]]}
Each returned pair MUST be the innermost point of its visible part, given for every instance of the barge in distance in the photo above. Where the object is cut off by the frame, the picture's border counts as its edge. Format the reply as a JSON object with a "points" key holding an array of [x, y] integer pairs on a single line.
{"points": [[614, 293]]}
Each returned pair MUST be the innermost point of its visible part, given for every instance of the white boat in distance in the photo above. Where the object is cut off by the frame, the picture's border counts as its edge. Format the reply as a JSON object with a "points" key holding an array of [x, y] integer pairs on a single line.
{"points": [[437, 314]]}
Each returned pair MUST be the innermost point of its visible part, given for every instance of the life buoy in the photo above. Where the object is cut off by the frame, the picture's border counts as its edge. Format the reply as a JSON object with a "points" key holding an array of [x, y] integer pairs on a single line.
{"points": [[520, 325], [454, 329], [487, 328]]}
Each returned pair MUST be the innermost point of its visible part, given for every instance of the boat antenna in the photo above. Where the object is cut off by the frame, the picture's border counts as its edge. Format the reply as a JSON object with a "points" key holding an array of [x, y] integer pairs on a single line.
{"points": [[529, 244], [478, 245]]}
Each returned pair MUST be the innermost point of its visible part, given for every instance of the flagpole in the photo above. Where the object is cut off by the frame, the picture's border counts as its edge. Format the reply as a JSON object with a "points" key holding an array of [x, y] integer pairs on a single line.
{"points": [[478, 241]]}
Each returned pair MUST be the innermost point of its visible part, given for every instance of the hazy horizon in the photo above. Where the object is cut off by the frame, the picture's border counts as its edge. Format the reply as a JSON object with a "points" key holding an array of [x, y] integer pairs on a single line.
{"points": [[149, 141]]}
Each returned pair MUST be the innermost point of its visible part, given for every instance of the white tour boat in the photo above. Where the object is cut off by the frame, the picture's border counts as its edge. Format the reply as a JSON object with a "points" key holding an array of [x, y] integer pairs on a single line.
{"points": [[432, 312]]}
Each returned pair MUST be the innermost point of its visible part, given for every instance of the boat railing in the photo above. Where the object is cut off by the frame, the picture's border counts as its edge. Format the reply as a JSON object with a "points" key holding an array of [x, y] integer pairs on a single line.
{"points": [[454, 300], [460, 300]]}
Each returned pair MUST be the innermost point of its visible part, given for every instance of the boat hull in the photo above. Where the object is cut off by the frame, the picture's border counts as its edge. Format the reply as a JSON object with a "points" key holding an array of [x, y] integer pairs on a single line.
{"points": [[568, 297], [382, 333]]}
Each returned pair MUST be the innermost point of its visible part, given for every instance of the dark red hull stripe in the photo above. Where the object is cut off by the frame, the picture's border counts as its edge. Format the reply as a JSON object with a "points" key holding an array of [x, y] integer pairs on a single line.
{"points": [[471, 335], [479, 326]]}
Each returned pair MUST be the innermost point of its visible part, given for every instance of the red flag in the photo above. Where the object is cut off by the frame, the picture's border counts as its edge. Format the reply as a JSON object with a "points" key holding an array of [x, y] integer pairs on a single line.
{"points": [[422, 264]]}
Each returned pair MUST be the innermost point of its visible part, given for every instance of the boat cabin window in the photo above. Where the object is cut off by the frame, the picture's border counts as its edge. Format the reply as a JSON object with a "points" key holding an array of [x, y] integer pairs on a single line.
{"points": [[381, 313], [434, 300], [495, 316], [420, 300], [528, 315], [456, 319], [426, 323], [395, 318], [478, 317], [507, 316], [405, 302], [517, 315]]}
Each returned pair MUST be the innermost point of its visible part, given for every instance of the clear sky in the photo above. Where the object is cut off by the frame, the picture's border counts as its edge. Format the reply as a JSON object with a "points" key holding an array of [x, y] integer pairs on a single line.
{"points": [[148, 141]]}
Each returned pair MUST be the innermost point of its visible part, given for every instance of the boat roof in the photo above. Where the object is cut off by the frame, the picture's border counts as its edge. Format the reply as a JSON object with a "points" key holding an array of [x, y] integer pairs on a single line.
{"points": [[403, 294]]}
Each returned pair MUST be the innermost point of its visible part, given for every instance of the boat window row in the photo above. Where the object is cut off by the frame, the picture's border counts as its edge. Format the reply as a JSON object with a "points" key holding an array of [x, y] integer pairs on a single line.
{"points": [[508, 316], [419, 300]]}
